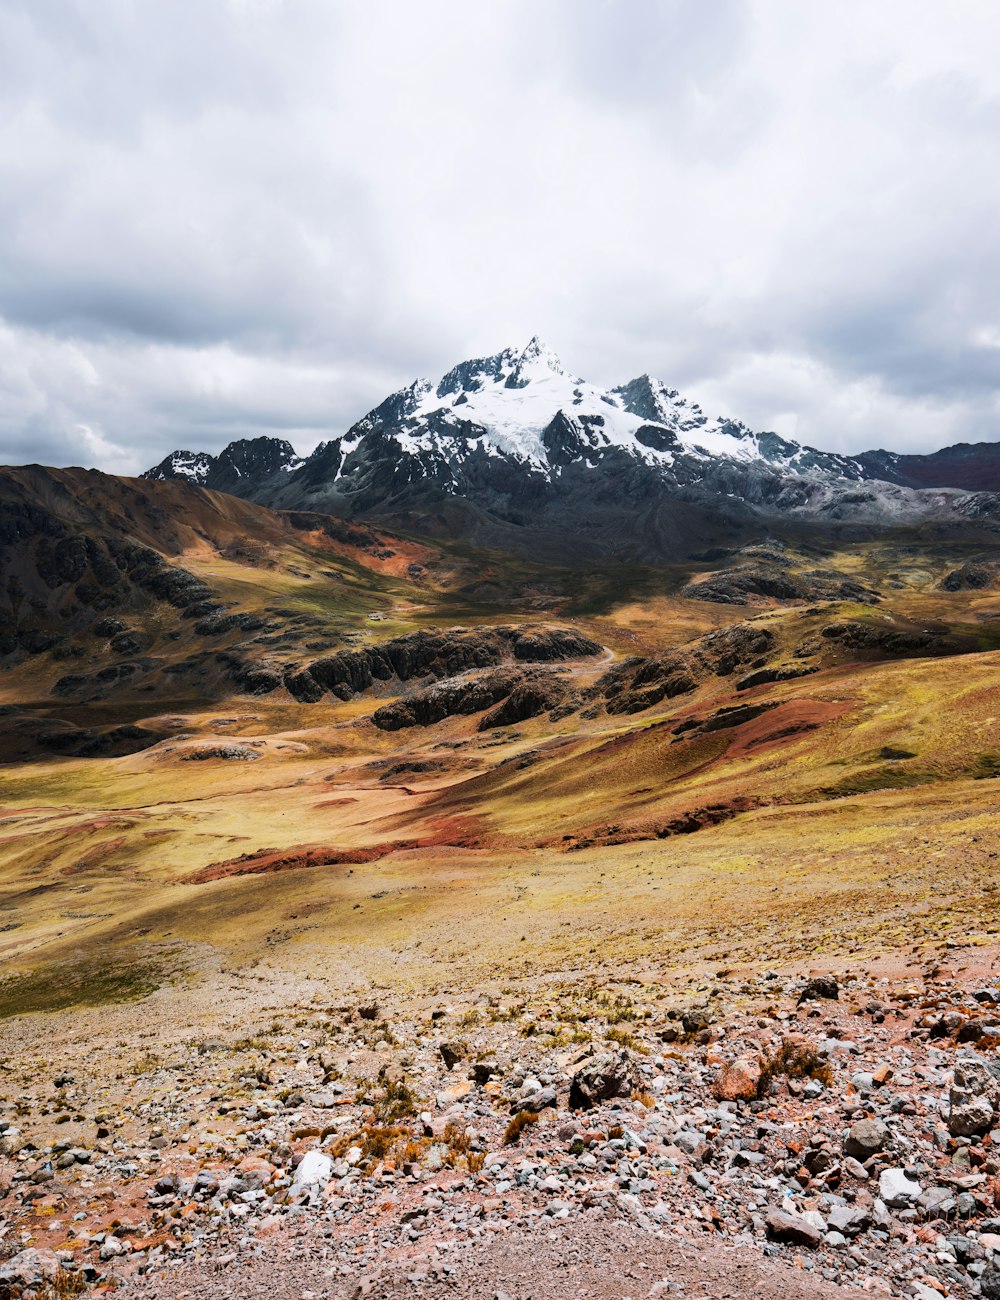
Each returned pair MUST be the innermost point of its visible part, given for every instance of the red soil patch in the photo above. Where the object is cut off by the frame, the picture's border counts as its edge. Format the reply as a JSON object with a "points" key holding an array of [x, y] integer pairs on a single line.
{"points": [[794, 718], [404, 551], [96, 856], [446, 832], [270, 861]]}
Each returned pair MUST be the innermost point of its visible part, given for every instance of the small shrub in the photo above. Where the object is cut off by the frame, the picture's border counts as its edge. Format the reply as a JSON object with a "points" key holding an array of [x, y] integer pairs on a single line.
{"points": [[522, 1120], [396, 1102], [793, 1062]]}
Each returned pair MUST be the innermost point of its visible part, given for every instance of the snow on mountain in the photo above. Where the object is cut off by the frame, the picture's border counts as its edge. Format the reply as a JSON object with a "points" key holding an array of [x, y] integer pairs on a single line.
{"points": [[194, 466], [251, 459], [508, 405], [523, 440]]}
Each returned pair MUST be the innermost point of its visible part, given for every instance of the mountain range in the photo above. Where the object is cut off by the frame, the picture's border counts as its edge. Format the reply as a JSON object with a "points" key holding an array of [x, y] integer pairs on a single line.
{"points": [[515, 451]]}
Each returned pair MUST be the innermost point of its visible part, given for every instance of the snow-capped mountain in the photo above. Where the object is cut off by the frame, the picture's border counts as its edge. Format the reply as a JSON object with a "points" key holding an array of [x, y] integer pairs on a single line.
{"points": [[249, 461], [515, 442]]}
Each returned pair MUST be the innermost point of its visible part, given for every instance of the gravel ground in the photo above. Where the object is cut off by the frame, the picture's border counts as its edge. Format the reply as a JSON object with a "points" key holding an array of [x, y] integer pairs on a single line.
{"points": [[788, 1133], [593, 1259]]}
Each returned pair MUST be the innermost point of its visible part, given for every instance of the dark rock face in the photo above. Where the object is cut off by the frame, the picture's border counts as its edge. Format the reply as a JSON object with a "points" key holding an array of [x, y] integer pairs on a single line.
{"points": [[739, 587], [765, 676], [869, 637], [447, 700], [637, 684], [974, 576], [421, 654], [527, 700]]}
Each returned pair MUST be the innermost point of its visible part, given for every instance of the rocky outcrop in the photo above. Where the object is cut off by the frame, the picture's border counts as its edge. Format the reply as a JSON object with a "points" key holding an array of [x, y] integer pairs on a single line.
{"points": [[420, 654], [528, 699], [973, 576], [446, 700], [637, 684], [750, 584], [517, 695]]}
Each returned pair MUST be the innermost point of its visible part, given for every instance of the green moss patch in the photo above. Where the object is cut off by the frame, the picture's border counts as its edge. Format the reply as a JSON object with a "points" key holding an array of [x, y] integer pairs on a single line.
{"points": [[92, 982]]}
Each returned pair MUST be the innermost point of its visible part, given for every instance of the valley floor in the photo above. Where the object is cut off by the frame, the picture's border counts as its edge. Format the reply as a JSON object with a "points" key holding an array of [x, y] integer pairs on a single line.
{"points": [[682, 982], [158, 1141]]}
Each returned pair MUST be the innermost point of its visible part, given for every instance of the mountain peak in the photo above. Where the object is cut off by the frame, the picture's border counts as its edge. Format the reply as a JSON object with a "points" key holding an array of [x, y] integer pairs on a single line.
{"points": [[536, 362]]}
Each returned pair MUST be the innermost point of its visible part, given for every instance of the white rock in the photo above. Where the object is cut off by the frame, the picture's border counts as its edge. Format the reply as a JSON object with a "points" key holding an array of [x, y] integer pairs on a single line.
{"points": [[896, 1189], [314, 1169]]}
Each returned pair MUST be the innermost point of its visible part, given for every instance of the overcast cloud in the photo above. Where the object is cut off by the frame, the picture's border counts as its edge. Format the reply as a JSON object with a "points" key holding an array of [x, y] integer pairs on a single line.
{"points": [[221, 218]]}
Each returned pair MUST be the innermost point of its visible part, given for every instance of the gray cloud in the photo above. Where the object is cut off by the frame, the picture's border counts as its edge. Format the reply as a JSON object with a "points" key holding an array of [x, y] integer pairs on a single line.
{"points": [[228, 217]]}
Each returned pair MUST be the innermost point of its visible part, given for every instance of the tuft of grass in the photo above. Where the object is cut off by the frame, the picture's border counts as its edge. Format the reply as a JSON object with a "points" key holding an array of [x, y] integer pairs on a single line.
{"points": [[396, 1101], [793, 1062], [522, 1120], [66, 1284]]}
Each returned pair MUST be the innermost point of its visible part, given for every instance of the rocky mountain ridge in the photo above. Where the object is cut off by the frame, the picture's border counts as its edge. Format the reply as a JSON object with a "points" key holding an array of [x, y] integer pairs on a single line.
{"points": [[513, 447]]}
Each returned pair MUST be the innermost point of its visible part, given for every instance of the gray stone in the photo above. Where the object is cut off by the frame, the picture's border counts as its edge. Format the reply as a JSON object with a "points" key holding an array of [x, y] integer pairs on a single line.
{"points": [[866, 1138], [601, 1078], [792, 1228], [536, 1101], [974, 1096], [29, 1268], [851, 1220]]}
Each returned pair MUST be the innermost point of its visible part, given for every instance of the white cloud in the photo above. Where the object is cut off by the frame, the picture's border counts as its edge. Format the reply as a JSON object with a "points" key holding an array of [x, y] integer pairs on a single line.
{"points": [[222, 217]]}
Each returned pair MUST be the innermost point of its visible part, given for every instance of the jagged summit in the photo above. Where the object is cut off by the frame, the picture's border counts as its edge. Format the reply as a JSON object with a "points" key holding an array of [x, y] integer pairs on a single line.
{"points": [[536, 362]]}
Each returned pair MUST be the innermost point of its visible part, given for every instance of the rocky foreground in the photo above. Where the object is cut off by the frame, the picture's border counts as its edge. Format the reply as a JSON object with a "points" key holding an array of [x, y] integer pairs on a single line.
{"points": [[816, 1133]]}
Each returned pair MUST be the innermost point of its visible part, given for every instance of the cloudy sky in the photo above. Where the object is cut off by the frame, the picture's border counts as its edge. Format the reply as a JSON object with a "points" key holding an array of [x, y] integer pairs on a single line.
{"points": [[220, 218]]}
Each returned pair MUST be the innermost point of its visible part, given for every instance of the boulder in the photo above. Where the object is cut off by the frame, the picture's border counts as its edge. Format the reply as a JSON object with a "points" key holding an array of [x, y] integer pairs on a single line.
{"points": [[866, 1138], [898, 1190], [974, 1095], [452, 1052], [536, 1101], [601, 1078], [822, 986], [850, 1220], [315, 1169], [738, 1080], [792, 1228]]}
